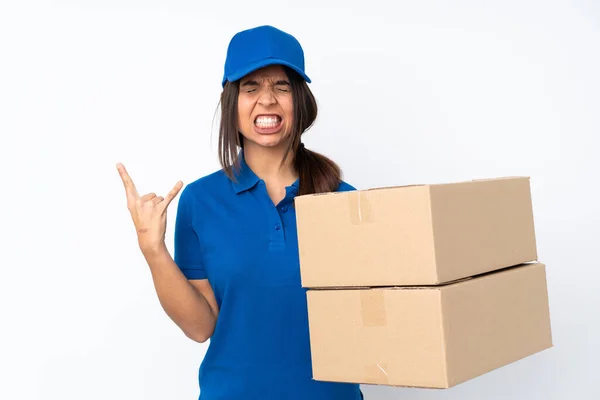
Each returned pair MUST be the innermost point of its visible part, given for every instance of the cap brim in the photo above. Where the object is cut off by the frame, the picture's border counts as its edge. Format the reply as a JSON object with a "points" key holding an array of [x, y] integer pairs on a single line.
{"points": [[260, 64]]}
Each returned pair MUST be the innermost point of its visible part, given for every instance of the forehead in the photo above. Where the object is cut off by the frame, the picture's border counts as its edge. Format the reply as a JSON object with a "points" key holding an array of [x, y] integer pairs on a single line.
{"points": [[269, 73]]}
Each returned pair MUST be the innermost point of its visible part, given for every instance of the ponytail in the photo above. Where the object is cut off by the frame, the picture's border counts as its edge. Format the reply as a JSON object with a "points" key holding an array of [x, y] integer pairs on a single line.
{"points": [[317, 173]]}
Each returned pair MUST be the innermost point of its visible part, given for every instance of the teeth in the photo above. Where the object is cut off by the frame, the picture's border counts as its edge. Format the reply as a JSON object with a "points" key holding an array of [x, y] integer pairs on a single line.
{"points": [[267, 122]]}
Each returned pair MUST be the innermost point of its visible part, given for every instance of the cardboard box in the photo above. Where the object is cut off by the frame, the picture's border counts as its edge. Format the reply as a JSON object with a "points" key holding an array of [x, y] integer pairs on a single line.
{"points": [[414, 235], [431, 337]]}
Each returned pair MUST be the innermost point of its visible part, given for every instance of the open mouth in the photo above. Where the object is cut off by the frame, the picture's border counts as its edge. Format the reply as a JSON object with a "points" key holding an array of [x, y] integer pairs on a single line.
{"points": [[267, 122]]}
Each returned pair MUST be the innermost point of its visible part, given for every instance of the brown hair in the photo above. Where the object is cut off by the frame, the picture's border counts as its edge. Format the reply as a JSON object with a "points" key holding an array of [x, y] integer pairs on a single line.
{"points": [[317, 173]]}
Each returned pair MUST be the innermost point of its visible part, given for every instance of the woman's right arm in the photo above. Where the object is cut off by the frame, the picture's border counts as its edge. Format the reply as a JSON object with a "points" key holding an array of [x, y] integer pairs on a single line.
{"points": [[191, 304]]}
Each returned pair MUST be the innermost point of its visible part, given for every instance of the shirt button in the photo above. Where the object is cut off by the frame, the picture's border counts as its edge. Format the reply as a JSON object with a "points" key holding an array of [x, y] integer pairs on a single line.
{"points": [[283, 209], [277, 227]]}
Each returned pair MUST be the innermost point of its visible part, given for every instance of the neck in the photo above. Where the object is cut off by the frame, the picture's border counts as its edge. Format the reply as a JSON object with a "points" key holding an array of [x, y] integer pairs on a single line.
{"points": [[266, 163]]}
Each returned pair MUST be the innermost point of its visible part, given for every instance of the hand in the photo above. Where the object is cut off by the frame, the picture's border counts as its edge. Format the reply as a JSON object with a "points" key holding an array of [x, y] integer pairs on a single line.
{"points": [[149, 213]]}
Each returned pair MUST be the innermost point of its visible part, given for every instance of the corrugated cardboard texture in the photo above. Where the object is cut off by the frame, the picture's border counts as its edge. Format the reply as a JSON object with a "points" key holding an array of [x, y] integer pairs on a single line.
{"points": [[494, 320], [433, 337], [363, 238], [363, 335], [415, 235], [482, 226]]}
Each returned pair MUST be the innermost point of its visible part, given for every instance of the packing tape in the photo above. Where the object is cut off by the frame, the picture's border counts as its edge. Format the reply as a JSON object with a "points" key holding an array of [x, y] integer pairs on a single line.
{"points": [[360, 208], [377, 373], [373, 307]]}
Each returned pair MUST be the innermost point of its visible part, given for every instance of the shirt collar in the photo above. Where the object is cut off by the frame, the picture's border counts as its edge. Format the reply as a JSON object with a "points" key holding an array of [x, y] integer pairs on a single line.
{"points": [[246, 179]]}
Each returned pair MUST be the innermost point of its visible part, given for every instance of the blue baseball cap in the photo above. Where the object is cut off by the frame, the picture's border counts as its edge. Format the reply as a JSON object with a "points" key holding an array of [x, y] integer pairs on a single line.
{"points": [[259, 47]]}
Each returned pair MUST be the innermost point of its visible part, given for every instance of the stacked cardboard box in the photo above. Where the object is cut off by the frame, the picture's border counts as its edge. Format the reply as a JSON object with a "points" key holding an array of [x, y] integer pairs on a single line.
{"points": [[424, 285]]}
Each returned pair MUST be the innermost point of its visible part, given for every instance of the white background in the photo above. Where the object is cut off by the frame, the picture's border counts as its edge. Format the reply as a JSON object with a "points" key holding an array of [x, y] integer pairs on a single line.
{"points": [[410, 92]]}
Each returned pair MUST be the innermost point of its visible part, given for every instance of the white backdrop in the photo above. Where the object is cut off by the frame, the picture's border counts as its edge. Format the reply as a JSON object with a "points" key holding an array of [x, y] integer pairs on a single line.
{"points": [[410, 92]]}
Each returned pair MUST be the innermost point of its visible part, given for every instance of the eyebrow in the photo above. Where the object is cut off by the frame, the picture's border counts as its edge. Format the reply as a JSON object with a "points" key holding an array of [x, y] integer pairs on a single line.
{"points": [[255, 83], [250, 83]]}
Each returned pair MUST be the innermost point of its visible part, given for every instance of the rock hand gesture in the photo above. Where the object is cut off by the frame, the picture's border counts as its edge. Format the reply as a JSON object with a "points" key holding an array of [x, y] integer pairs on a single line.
{"points": [[149, 213]]}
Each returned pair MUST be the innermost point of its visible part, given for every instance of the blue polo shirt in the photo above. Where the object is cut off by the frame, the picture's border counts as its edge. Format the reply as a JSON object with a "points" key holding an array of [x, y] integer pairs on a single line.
{"points": [[247, 247]]}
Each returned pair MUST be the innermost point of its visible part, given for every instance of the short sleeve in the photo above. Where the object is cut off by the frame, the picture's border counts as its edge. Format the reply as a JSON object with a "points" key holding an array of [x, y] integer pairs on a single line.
{"points": [[345, 187], [188, 256]]}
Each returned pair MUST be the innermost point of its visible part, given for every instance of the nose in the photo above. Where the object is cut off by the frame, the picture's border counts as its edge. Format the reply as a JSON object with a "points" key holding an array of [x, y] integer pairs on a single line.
{"points": [[266, 97]]}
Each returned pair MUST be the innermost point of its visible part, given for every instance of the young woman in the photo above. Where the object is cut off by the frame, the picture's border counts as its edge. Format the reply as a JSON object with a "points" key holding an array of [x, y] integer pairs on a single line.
{"points": [[235, 275]]}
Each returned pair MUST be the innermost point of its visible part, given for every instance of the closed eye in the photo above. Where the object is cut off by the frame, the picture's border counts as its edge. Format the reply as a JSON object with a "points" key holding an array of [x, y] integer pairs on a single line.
{"points": [[282, 86], [249, 86]]}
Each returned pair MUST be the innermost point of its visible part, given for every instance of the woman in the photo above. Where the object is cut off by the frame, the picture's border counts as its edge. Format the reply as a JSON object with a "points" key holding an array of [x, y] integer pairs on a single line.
{"points": [[235, 277]]}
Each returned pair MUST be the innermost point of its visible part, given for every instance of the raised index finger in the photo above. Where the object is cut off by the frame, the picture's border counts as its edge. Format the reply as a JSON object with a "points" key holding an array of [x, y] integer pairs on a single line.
{"points": [[171, 195], [130, 189]]}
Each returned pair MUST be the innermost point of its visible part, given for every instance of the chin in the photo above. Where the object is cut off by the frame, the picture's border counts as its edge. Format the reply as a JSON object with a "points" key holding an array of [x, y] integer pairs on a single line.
{"points": [[267, 142], [274, 140]]}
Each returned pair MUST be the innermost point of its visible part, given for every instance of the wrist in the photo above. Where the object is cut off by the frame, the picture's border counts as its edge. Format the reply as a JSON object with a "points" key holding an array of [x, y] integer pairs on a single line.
{"points": [[153, 250]]}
